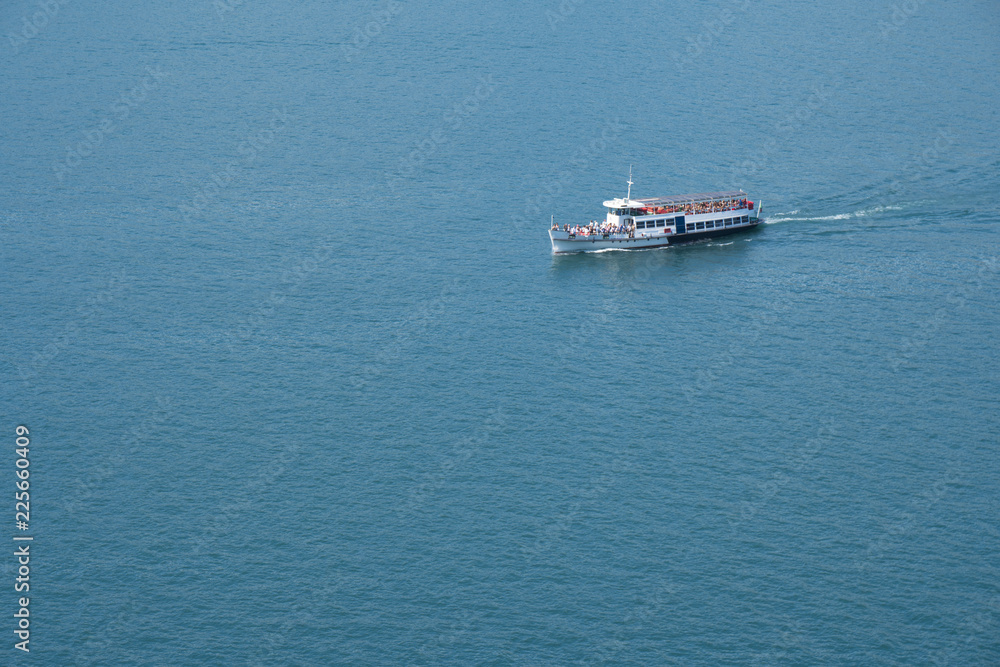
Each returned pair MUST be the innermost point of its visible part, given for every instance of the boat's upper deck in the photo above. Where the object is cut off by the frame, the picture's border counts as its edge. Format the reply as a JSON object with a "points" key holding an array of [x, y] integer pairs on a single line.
{"points": [[675, 201], [635, 210]]}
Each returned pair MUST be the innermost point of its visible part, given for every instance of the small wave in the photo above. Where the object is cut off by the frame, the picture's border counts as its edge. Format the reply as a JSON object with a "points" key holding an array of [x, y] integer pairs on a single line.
{"points": [[840, 216], [876, 209]]}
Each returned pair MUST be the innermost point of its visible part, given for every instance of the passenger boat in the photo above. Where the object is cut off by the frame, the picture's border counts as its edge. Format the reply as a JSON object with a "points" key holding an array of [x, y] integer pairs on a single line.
{"points": [[634, 224]]}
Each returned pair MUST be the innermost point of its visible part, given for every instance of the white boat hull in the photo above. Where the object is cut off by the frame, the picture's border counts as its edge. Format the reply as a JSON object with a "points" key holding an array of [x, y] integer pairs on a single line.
{"points": [[596, 242]]}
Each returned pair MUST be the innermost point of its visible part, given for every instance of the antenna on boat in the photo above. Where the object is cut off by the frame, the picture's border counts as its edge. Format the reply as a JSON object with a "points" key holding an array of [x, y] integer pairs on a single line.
{"points": [[629, 195]]}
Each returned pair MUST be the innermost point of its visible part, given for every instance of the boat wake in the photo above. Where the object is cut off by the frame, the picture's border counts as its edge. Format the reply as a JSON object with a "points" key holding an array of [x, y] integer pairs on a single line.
{"points": [[840, 216]]}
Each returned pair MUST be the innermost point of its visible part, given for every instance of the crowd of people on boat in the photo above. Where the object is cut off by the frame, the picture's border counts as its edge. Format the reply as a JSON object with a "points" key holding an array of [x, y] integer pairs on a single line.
{"points": [[602, 228], [704, 207]]}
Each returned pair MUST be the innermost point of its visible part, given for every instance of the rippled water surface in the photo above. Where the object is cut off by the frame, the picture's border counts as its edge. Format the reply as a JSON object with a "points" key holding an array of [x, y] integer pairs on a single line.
{"points": [[306, 386]]}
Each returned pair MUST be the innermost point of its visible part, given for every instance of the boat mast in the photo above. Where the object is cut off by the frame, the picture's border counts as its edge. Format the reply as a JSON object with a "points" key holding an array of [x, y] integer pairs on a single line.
{"points": [[629, 195]]}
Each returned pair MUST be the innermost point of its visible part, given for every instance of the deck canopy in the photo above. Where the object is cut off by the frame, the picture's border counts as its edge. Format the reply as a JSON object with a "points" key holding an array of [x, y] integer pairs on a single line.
{"points": [[686, 199]]}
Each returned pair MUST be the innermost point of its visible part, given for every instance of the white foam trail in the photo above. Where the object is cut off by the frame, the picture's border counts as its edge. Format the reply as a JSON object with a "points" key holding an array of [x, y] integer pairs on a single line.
{"points": [[840, 216]]}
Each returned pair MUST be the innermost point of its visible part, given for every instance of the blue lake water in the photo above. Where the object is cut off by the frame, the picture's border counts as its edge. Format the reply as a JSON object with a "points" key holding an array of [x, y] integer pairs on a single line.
{"points": [[305, 384]]}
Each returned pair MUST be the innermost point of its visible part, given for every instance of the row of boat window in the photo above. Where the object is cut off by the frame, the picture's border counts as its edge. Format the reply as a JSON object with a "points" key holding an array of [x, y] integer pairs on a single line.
{"points": [[728, 222], [692, 226], [651, 224]]}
